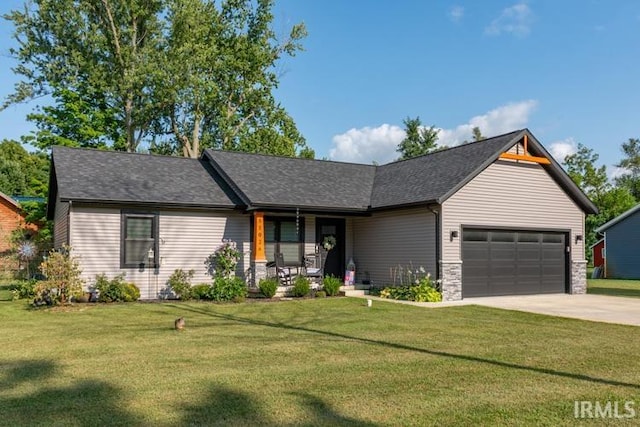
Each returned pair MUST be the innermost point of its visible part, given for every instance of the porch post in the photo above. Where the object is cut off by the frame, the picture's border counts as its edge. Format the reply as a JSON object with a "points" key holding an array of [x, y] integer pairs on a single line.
{"points": [[259, 260]]}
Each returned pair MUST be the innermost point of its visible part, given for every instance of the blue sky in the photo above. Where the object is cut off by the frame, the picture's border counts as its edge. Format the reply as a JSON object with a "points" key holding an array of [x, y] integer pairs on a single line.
{"points": [[567, 70]]}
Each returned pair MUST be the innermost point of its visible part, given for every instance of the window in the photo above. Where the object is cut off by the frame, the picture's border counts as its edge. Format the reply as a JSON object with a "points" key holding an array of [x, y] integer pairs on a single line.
{"points": [[502, 236], [138, 235], [475, 236], [552, 238], [282, 235]]}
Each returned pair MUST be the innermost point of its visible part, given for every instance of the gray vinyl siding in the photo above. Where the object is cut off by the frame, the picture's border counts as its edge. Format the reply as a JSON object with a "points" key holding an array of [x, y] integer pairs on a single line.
{"points": [[60, 223], [623, 249], [515, 195], [309, 234], [389, 239], [186, 239]]}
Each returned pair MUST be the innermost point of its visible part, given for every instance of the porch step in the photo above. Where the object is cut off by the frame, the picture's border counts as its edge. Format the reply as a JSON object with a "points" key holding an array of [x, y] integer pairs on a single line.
{"points": [[354, 292]]}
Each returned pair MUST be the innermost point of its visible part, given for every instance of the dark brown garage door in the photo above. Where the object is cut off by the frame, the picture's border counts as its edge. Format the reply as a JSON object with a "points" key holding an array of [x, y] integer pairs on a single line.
{"points": [[505, 262]]}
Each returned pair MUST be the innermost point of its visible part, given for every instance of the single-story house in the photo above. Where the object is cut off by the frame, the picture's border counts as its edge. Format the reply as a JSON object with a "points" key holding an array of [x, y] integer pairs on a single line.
{"points": [[494, 217], [622, 245]]}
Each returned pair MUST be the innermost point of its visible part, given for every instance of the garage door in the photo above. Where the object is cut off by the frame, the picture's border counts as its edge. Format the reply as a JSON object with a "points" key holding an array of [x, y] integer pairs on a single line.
{"points": [[505, 262]]}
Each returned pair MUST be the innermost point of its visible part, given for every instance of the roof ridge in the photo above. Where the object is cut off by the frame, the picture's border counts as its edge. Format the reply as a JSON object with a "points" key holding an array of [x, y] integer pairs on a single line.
{"points": [[465, 144], [280, 156], [98, 150]]}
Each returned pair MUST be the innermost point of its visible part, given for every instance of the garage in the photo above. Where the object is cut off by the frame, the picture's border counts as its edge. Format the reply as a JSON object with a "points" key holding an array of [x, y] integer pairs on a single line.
{"points": [[513, 262]]}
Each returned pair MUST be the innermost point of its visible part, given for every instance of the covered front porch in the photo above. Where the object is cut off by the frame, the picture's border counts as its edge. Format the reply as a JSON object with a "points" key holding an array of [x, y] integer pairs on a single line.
{"points": [[299, 240], [376, 243]]}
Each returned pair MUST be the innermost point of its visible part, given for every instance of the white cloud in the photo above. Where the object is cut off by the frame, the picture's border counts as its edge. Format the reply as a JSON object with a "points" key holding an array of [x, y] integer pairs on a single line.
{"points": [[561, 149], [456, 13], [379, 143], [367, 144], [616, 172], [516, 20], [503, 119]]}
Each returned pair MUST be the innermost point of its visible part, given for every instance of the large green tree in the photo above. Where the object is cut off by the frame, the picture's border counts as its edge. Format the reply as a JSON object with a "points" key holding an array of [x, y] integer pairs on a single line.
{"points": [[419, 140], [592, 179], [22, 173], [176, 74], [103, 51], [220, 77], [631, 162]]}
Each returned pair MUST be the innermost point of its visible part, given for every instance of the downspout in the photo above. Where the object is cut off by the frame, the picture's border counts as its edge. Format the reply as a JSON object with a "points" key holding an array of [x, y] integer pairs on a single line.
{"points": [[437, 215], [69, 223]]}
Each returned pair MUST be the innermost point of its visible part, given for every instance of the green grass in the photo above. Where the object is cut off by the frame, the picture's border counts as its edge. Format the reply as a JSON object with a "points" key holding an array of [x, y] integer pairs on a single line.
{"points": [[5, 293], [614, 287], [311, 362]]}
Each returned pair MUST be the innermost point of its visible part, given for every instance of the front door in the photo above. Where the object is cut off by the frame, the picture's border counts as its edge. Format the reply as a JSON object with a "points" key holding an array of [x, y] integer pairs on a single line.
{"points": [[335, 259]]}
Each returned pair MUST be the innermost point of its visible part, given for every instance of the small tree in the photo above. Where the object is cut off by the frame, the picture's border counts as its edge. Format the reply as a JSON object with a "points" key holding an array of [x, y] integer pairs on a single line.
{"points": [[223, 262], [62, 272], [419, 140]]}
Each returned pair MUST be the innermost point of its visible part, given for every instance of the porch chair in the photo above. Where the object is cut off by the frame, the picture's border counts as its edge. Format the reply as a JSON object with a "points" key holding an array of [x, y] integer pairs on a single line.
{"points": [[282, 271], [314, 264]]}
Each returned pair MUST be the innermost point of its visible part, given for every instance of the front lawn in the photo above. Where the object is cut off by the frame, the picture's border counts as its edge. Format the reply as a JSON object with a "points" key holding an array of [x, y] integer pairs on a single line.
{"points": [[614, 287], [309, 362]]}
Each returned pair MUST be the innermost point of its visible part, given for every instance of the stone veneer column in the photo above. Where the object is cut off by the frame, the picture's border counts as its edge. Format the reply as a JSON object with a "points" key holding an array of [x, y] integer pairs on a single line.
{"points": [[258, 271], [579, 277], [451, 280]]}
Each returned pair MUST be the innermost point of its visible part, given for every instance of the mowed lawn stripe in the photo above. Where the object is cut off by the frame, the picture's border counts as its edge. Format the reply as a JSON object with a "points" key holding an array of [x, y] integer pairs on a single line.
{"points": [[309, 362]]}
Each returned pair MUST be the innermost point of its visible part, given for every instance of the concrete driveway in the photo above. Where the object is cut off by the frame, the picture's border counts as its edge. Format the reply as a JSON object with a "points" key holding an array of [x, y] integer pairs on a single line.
{"points": [[598, 308]]}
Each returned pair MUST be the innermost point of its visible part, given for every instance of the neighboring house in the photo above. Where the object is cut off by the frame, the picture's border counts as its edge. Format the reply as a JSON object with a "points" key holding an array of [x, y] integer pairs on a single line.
{"points": [[622, 245], [598, 252], [11, 219], [494, 217]]}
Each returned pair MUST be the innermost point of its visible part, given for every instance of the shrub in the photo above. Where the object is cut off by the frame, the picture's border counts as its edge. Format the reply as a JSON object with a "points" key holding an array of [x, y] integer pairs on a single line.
{"points": [[131, 292], [62, 282], [224, 260], [23, 289], [301, 286], [200, 291], [268, 287], [423, 291], [227, 289], [321, 294], [180, 283], [116, 289], [331, 285]]}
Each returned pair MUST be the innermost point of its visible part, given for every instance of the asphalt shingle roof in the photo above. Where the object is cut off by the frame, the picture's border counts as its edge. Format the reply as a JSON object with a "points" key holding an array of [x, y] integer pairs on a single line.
{"points": [[232, 179], [287, 182], [108, 176], [431, 178]]}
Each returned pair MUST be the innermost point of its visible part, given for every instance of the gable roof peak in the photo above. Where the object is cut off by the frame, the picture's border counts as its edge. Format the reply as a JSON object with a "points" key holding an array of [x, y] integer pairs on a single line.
{"points": [[459, 146]]}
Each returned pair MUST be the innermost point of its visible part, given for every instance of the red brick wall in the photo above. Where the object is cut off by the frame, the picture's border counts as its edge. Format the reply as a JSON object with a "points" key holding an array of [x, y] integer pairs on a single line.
{"points": [[10, 219]]}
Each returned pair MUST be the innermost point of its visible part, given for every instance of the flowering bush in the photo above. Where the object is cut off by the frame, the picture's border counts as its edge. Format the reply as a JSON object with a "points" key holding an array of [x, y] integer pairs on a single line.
{"points": [[224, 260], [423, 288]]}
